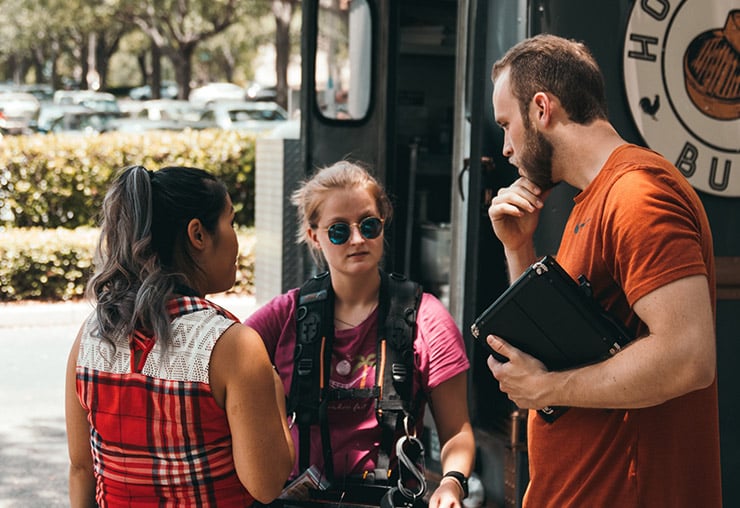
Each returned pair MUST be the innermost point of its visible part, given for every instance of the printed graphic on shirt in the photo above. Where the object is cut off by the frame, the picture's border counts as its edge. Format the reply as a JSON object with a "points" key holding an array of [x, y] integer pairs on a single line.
{"points": [[580, 226], [361, 369], [680, 64], [358, 373]]}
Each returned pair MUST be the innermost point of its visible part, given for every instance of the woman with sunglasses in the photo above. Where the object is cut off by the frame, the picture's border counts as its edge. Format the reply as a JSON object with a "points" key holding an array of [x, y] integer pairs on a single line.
{"points": [[342, 212]]}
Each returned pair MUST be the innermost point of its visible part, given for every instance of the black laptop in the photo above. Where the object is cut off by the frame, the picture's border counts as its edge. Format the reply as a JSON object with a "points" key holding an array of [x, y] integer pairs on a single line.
{"points": [[550, 316]]}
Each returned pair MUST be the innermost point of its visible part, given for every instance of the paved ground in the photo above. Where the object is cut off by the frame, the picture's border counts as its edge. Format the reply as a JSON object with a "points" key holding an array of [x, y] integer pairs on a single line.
{"points": [[34, 344]]}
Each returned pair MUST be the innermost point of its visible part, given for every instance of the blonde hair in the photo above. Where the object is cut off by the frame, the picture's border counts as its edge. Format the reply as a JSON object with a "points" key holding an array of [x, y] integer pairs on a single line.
{"points": [[340, 175]]}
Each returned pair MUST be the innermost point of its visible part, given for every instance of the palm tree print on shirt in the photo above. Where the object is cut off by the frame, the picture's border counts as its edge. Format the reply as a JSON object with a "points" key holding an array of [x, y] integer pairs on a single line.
{"points": [[365, 363]]}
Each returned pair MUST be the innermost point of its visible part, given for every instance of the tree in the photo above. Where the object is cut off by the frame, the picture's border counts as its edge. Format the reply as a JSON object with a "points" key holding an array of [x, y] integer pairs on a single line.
{"points": [[283, 11], [177, 27], [37, 33], [229, 56], [137, 44], [24, 38]]}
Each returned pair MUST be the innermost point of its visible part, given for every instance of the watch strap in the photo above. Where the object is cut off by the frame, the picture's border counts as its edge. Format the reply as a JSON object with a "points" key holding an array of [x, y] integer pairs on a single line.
{"points": [[460, 478]]}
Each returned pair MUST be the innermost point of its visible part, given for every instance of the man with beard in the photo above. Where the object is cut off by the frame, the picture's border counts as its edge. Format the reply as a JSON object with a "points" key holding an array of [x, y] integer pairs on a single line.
{"points": [[642, 427]]}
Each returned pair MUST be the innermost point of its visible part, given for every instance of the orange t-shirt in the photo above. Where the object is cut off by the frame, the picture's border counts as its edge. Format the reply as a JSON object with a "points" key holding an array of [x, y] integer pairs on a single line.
{"points": [[638, 226]]}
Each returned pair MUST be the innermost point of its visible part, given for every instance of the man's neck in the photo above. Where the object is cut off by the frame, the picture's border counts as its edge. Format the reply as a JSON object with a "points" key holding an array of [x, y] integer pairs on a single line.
{"points": [[583, 151]]}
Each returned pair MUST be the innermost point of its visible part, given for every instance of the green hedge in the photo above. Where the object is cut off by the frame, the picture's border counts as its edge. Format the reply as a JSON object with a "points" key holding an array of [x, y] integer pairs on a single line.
{"points": [[51, 181], [55, 264]]}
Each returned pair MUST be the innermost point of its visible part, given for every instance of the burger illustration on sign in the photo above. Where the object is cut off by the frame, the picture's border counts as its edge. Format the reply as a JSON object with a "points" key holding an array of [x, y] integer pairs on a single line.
{"points": [[712, 70], [681, 67]]}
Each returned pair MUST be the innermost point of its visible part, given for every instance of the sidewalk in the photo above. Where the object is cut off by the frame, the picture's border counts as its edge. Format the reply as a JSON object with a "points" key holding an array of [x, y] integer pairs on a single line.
{"points": [[33, 314]]}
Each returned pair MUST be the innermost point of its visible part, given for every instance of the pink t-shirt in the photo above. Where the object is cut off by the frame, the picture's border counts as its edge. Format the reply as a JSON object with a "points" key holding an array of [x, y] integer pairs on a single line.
{"points": [[439, 354]]}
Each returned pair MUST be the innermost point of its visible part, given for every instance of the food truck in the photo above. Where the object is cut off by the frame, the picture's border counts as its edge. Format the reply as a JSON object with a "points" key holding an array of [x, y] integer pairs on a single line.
{"points": [[404, 86]]}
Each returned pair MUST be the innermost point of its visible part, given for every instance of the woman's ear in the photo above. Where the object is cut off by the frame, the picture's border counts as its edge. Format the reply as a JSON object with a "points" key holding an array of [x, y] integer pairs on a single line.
{"points": [[196, 234], [313, 237]]}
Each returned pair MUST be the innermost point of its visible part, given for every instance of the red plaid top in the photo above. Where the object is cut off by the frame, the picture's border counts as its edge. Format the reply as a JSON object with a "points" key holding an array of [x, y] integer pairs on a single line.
{"points": [[158, 437]]}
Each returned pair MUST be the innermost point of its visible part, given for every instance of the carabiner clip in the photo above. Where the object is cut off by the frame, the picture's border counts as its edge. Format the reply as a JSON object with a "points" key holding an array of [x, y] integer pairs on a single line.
{"points": [[410, 454]]}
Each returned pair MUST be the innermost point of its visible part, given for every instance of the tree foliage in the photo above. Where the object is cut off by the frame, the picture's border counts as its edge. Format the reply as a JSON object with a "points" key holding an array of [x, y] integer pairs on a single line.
{"points": [[177, 27], [45, 34], [71, 42]]}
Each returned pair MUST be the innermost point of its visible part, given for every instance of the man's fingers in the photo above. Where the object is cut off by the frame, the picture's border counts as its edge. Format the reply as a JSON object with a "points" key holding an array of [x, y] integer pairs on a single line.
{"points": [[499, 345], [522, 194], [528, 185]]}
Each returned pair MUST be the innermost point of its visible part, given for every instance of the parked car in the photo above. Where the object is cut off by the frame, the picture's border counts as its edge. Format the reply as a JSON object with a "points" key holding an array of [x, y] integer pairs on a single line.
{"points": [[214, 92], [49, 113], [139, 125], [245, 115], [82, 120], [163, 114], [170, 109], [18, 112], [168, 90], [257, 92], [290, 129], [43, 92], [99, 101]]}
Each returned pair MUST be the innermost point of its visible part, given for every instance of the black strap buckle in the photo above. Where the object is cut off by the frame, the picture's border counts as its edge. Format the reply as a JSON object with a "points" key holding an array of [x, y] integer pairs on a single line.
{"points": [[305, 366]]}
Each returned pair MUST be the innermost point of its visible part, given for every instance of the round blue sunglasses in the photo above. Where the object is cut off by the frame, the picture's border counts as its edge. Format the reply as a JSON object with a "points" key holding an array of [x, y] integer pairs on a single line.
{"points": [[369, 228]]}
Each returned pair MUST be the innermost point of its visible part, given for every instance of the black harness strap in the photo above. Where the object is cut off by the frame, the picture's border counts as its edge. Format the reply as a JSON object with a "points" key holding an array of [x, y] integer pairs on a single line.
{"points": [[311, 360], [395, 407], [310, 392]]}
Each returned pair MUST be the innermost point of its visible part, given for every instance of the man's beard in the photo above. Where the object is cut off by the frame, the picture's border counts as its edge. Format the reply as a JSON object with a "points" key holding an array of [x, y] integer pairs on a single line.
{"points": [[536, 158]]}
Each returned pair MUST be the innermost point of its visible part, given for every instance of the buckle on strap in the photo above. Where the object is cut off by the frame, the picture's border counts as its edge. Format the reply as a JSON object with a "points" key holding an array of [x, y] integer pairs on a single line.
{"points": [[304, 367], [399, 372], [353, 393]]}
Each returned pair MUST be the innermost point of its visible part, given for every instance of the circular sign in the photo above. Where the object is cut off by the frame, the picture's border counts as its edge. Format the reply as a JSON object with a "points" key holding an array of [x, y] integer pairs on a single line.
{"points": [[681, 66]]}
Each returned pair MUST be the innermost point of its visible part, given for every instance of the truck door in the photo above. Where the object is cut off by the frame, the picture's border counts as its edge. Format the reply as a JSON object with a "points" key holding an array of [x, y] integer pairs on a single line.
{"points": [[404, 86], [345, 93], [655, 100]]}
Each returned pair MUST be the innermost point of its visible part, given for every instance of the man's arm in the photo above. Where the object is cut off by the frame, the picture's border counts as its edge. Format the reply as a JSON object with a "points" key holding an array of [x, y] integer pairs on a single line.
{"points": [[676, 357]]}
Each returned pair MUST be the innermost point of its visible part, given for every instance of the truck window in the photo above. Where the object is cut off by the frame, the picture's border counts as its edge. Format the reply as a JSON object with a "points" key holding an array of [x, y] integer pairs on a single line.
{"points": [[343, 59]]}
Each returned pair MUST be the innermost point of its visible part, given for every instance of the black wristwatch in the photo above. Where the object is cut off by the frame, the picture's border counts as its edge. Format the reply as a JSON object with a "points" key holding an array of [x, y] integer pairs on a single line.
{"points": [[461, 479]]}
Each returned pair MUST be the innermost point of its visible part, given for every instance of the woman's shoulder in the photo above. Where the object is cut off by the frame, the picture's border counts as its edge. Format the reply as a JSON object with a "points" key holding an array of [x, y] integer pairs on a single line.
{"points": [[243, 338], [433, 305], [439, 343], [227, 361], [275, 311], [433, 318], [287, 299]]}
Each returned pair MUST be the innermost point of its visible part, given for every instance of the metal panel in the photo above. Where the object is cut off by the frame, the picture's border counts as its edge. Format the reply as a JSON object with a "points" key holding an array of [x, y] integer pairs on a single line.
{"points": [[278, 259]]}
